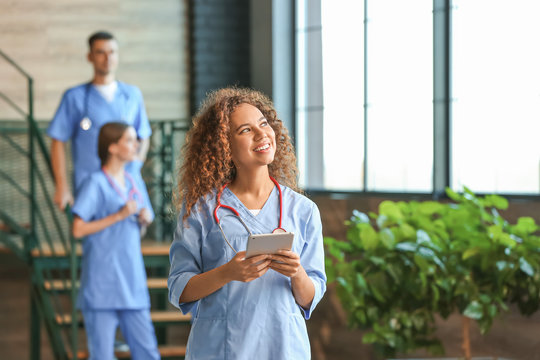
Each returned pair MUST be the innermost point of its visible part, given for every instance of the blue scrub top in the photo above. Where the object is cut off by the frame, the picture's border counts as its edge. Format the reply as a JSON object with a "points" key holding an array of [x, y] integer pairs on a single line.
{"points": [[113, 273], [86, 101], [257, 319]]}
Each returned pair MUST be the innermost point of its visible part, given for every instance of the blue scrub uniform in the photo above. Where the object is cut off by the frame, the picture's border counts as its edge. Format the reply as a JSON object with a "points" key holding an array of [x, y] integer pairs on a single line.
{"points": [[85, 101], [113, 279], [258, 319]]}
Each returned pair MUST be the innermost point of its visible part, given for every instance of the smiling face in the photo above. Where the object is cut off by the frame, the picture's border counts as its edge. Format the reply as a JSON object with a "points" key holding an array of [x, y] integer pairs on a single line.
{"points": [[126, 148], [252, 140]]}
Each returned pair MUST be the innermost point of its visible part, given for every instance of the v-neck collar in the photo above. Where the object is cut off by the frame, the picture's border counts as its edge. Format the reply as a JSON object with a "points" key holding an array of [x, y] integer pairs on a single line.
{"points": [[115, 98], [257, 220], [115, 185]]}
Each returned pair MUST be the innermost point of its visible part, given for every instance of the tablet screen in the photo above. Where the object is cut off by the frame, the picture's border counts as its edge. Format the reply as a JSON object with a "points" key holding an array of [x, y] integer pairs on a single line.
{"points": [[268, 243]]}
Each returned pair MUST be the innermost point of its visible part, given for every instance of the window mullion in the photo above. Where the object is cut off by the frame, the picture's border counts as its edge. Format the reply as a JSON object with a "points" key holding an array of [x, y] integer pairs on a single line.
{"points": [[441, 95]]}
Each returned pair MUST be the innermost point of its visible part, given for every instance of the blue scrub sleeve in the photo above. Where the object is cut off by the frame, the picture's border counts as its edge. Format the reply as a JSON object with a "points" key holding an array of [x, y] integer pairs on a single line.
{"points": [[185, 258], [88, 200], [141, 123], [62, 126], [312, 258], [134, 167]]}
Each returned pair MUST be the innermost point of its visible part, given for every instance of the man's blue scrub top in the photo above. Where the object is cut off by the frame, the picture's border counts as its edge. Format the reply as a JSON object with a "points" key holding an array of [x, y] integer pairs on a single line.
{"points": [[86, 101], [113, 274]]}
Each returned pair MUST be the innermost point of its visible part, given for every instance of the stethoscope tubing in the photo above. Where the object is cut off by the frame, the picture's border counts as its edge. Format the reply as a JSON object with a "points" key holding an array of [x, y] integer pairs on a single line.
{"points": [[132, 192], [87, 96], [235, 213]]}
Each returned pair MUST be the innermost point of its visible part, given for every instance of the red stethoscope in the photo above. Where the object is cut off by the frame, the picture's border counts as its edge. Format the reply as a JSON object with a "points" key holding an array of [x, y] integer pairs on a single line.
{"points": [[133, 193], [279, 229]]}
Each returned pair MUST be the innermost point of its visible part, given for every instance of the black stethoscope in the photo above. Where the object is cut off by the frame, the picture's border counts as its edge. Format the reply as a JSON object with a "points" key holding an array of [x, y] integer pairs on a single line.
{"points": [[86, 123], [279, 229]]}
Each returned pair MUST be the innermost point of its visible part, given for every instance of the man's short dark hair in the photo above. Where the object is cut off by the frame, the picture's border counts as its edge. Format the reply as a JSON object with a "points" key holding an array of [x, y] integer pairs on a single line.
{"points": [[100, 35]]}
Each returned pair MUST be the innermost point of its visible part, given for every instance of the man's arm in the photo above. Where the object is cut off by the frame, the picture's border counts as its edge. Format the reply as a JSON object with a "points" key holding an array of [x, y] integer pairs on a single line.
{"points": [[62, 194], [143, 149]]}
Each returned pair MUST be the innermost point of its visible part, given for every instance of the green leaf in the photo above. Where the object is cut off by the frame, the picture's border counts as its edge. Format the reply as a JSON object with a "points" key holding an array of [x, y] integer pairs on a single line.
{"points": [[360, 217], [474, 310], [394, 272], [502, 265], [375, 291], [507, 240], [453, 195], [436, 295], [495, 231], [330, 270], [361, 282], [328, 240], [497, 201], [422, 237], [430, 207], [407, 231], [361, 316], [388, 238], [343, 282], [406, 246], [492, 310], [421, 262], [369, 338], [390, 209], [368, 236], [525, 266], [486, 299], [377, 260], [382, 221], [526, 225], [470, 252]]}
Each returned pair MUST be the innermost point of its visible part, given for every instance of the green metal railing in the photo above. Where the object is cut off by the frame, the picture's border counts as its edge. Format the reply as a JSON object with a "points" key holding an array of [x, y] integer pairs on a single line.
{"points": [[44, 236], [159, 174]]}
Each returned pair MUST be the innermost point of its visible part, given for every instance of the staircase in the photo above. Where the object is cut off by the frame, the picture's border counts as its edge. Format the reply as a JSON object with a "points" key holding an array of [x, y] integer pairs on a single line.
{"points": [[33, 229], [155, 254]]}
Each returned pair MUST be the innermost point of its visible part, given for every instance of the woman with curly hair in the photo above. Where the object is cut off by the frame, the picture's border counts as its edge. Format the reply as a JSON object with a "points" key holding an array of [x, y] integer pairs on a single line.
{"points": [[238, 159]]}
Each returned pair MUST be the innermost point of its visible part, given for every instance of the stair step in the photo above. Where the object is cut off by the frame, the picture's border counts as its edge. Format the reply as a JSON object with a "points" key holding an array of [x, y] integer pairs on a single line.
{"points": [[158, 318], [65, 285], [5, 227], [166, 351], [148, 248], [15, 241]]}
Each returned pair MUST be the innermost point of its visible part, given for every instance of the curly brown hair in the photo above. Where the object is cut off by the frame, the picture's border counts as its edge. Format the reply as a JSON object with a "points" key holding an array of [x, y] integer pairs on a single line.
{"points": [[207, 162]]}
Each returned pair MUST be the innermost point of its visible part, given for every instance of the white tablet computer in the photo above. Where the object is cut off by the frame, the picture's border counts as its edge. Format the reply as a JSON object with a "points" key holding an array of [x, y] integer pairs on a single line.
{"points": [[268, 243]]}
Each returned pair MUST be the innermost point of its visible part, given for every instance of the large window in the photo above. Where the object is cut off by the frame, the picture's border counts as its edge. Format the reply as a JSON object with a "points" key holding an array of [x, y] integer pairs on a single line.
{"points": [[343, 94], [399, 95], [365, 114], [496, 87], [374, 115]]}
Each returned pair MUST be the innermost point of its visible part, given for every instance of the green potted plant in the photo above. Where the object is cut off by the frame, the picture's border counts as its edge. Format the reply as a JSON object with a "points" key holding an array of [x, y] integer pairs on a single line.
{"points": [[411, 261]]}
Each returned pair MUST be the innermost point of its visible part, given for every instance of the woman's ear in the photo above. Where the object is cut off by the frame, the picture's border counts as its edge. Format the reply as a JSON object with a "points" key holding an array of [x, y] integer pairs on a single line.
{"points": [[113, 149]]}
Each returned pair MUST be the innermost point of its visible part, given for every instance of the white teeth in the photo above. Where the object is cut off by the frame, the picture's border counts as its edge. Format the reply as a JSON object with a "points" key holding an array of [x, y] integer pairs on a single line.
{"points": [[264, 147]]}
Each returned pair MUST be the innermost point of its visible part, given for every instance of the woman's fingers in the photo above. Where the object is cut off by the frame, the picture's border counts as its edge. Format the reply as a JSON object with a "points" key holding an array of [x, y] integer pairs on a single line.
{"points": [[288, 253], [286, 262], [249, 269]]}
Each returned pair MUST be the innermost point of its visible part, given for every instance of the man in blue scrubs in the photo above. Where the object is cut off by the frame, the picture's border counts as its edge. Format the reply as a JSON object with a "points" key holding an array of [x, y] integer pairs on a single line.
{"points": [[82, 112]]}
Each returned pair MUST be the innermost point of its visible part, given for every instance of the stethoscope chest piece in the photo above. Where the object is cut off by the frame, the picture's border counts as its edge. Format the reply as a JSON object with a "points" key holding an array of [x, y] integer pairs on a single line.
{"points": [[86, 124]]}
